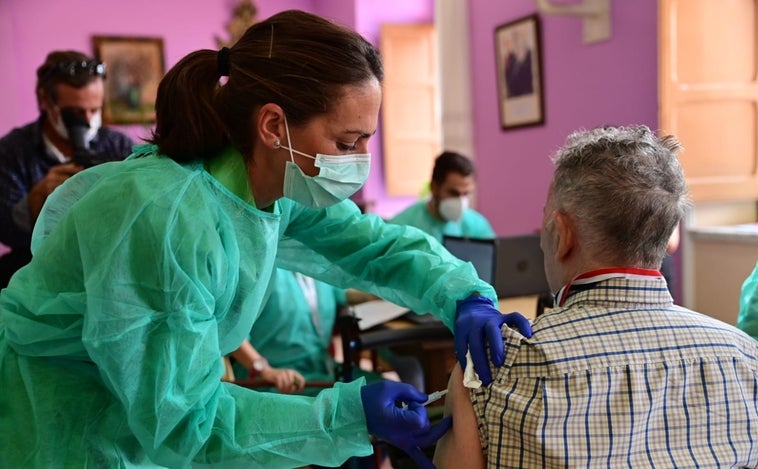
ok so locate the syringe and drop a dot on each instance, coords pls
(435, 396)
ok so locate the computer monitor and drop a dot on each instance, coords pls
(480, 252)
(520, 269)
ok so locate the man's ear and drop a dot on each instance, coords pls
(270, 125)
(565, 234)
(433, 187)
(42, 99)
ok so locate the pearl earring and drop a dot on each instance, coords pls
(277, 143)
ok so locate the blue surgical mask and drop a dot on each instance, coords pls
(339, 177)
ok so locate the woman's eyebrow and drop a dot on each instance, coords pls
(360, 133)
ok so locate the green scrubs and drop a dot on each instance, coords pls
(145, 273)
(471, 225)
(286, 332)
(748, 317)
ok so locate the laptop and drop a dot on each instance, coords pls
(519, 269)
(482, 253)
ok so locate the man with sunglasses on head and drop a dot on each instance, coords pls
(40, 156)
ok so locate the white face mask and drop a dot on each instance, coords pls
(452, 208)
(94, 125)
(339, 177)
(59, 126)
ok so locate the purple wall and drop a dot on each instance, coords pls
(585, 85)
(29, 29)
(613, 82)
(371, 14)
(366, 17)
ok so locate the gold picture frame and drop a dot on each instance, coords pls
(134, 68)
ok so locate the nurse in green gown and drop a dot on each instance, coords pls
(146, 272)
(292, 336)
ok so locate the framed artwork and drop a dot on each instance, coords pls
(133, 68)
(519, 73)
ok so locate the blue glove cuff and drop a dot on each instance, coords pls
(475, 300)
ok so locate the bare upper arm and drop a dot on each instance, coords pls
(460, 447)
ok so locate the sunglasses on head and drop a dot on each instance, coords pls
(75, 68)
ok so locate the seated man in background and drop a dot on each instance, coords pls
(615, 374)
(748, 317)
(447, 212)
(38, 157)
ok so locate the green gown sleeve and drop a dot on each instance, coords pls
(160, 278)
(401, 264)
(748, 317)
(157, 346)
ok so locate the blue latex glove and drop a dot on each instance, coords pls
(407, 428)
(477, 320)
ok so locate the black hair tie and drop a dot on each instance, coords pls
(222, 60)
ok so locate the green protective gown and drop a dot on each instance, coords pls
(748, 317)
(471, 225)
(145, 273)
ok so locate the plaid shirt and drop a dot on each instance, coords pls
(24, 160)
(620, 377)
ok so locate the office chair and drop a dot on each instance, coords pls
(355, 342)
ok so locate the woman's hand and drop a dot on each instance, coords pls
(477, 324)
(285, 380)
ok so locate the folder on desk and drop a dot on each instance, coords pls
(373, 313)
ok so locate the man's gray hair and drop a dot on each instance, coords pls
(625, 189)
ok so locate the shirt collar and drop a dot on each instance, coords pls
(45, 144)
(586, 280)
(53, 150)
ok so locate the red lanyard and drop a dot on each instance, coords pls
(599, 275)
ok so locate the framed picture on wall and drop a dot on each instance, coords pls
(134, 67)
(519, 73)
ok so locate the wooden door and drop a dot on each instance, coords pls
(411, 107)
(709, 95)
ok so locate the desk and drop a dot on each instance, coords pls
(526, 305)
(438, 356)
